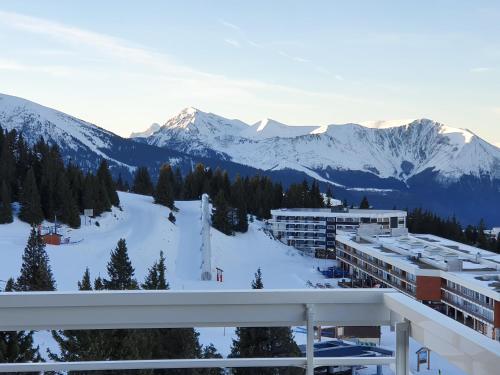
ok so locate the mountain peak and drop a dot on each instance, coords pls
(146, 133)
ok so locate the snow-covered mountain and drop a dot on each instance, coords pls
(386, 150)
(79, 141)
(417, 163)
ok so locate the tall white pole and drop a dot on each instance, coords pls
(206, 250)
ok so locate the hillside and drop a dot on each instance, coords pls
(147, 231)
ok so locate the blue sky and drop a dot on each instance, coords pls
(126, 64)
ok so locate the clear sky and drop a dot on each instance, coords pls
(126, 64)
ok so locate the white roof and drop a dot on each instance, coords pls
(428, 255)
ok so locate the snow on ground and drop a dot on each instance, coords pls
(147, 231)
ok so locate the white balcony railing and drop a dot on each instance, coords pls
(468, 350)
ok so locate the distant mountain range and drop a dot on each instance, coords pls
(419, 163)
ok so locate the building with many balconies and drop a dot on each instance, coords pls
(313, 230)
(460, 281)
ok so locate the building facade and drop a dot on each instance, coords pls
(313, 230)
(460, 281)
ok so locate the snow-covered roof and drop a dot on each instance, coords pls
(328, 212)
(429, 255)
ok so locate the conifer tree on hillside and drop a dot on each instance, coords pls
(170, 343)
(31, 209)
(238, 198)
(36, 274)
(364, 203)
(156, 278)
(103, 202)
(80, 345)
(120, 269)
(164, 192)
(210, 352)
(142, 182)
(7, 160)
(65, 204)
(5, 204)
(17, 347)
(220, 214)
(265, 343)
(104, 176)
(125, 344)
(257, 283)
(98, 283)
(179, 183)
(85, 284)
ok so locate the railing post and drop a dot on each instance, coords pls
(403, 348)
(310, 339)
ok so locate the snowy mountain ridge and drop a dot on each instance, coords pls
(36, 121)
(390, 149)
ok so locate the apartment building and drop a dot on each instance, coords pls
(460, 281)
(311, 230)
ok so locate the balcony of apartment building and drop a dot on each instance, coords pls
(481, 312)
(468, 294)
(379, 276)
(468, 350)
(380, 268)
(306, 227)
(298, 219)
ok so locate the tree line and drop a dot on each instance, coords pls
(45, 187)
(421, 221)
(233, 201)
(130, 344)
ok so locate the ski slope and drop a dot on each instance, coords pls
(147, 231)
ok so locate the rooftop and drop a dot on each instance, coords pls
(429, 255)
(335, 212)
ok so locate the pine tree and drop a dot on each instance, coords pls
(36, 274)
(220, 215)
(104, 176)
(7, 160)
(5, 204)
(98, 283)
(120, 269)
(264, 342)
(80, 345)
(210, 352)
(172, 343)
(142, 182)
(65, 204)
(31, 209)
(257, 282)
(238, 199)
(164, 192)
(85, 284)
(156, 278)
(364, 203)
(17, 347)
(103, 202)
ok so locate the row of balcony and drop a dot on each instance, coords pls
(381, 267)
(370, 273)
(470, 309)
(467, 297)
